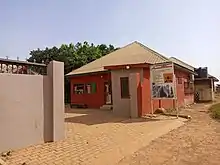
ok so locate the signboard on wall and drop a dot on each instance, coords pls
(163, 83)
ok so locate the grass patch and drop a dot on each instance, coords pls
(215, 111)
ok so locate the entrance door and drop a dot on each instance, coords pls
(107, 93)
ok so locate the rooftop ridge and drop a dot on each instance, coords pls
(153, 51)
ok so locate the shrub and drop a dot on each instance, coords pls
(215, 111)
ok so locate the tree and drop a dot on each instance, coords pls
(73, 56)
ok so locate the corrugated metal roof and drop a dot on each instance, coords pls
(21, 62)
(181, 63)
(185, 65)
(215, 79)
(133, 53)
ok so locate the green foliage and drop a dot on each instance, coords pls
(215, 111)
(73, 56)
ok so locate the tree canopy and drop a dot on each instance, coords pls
(73, 56)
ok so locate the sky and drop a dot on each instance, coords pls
(186, 29)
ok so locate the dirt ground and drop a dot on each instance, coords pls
(96, 137)
(195, 143)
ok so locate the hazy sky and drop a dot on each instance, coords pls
(186, 29)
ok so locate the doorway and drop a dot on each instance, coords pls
(108, 93)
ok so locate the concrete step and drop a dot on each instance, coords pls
(106, 107)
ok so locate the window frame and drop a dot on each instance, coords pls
(76, 91)
(124, 95)
(188, 87)
(91, 86)
(179, 80)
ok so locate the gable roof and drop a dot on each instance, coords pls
(134, 53)
(212, 77)
(185, 65)
(181, 63)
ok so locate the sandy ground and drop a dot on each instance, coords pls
(195, 143)
(94, 137)
(111, 141)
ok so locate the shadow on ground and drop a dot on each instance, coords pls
(94, 116)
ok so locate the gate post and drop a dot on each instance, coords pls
(56, 75)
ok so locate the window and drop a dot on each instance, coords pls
(91, 88)
(124, 83)
(188, 88)
(79, 88)
(186, 85)
(179, 80)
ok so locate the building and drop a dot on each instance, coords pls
(121, 79)
(21, 67)
(217, 88)
(205, 88)
(203, 85)
(188, 83)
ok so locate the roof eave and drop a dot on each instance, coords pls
(208, 78)
(8, 61)
(140, 65)
(185, 69)
(181, 62)
(215, 79)
(85, 74)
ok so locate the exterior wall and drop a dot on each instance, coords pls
(189, 99)
(205, 89)
(213, 89)
(32, 108)
(134, 81)
(146, 93)
(94, 100)
(122, 106)
(139, 82)
(182, 98)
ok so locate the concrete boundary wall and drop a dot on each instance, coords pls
(31, 108)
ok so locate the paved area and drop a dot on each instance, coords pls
(195, 143)
(95, 137)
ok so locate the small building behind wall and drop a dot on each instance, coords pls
(202, 85)
(205, 88)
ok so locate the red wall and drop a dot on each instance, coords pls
(94, 100)
(180, 93)
(145, 94)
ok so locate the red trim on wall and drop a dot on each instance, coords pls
(145, 92)
(139, 96)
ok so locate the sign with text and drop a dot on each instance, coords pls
(163, 85)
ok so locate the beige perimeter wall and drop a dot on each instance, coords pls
(31, 108)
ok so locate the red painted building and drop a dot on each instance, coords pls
(124, 74)
(93, 99)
